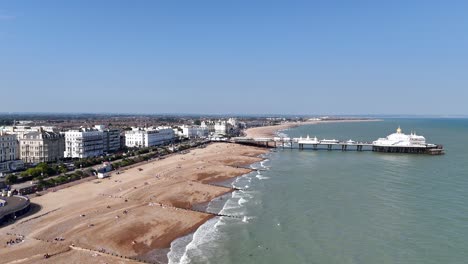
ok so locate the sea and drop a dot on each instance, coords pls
(325, 207)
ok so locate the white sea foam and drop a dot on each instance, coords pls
(281, 134)
(232, 206)
(260, 177)
(194, 246)
(184, 248)
(205, 234)
(256, 166)
(263, 162)
(241, 201)
(178, 248)
(242, 194)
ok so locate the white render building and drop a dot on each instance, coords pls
(194, 131)
(232, 121)
(111, 138)
(147, 137)
(9, 153)
(221, 127)
(209, 125)
(83, 143)
(8, 147)
(20, 131)
(41, 146)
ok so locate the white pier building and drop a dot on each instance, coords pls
(401, 143)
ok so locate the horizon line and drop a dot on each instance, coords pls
(239, 114)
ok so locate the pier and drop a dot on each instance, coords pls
(325, 144)
(303, 143)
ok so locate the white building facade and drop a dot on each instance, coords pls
(232, 122)
(83, 143)
(20, 131)
(221, 127)
(209, 125)
(42, 146)
(399, 139)
(111, 138)
(9, 152)
(147, 137)
(194, 132)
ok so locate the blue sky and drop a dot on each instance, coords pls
(284, 57)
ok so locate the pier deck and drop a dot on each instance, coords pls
(314, 144)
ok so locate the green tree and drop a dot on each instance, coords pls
(62, 168)
(11, 179)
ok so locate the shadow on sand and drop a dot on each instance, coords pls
(33, 209)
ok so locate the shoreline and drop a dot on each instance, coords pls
(182, 245)
(179, 242)
(271, 131)
(137, 213)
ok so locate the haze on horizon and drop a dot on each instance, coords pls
(243, 57)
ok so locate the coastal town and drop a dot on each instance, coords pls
(55, 180)
(25, 146)
(233, 132)
(140, 186)
(124, 194)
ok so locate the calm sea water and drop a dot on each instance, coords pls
(345, 207)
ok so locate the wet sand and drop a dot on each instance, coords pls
(130, 216)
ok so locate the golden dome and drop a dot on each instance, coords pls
(398, 130)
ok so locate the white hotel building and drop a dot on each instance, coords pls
(110, 139)
(83, 143)
(20, 131)
(147, 137)
(41, 146)
(194, 131)
(8, 152)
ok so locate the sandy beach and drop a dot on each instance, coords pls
(130, 216)
(270, 131)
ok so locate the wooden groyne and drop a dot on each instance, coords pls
(177, 208)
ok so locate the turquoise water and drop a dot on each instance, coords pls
(346, 207)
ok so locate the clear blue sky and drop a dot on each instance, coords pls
(289, 57)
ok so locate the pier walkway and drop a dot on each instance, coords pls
(333, 144)
(302, 143)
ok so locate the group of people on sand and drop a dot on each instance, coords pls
(17, 240)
